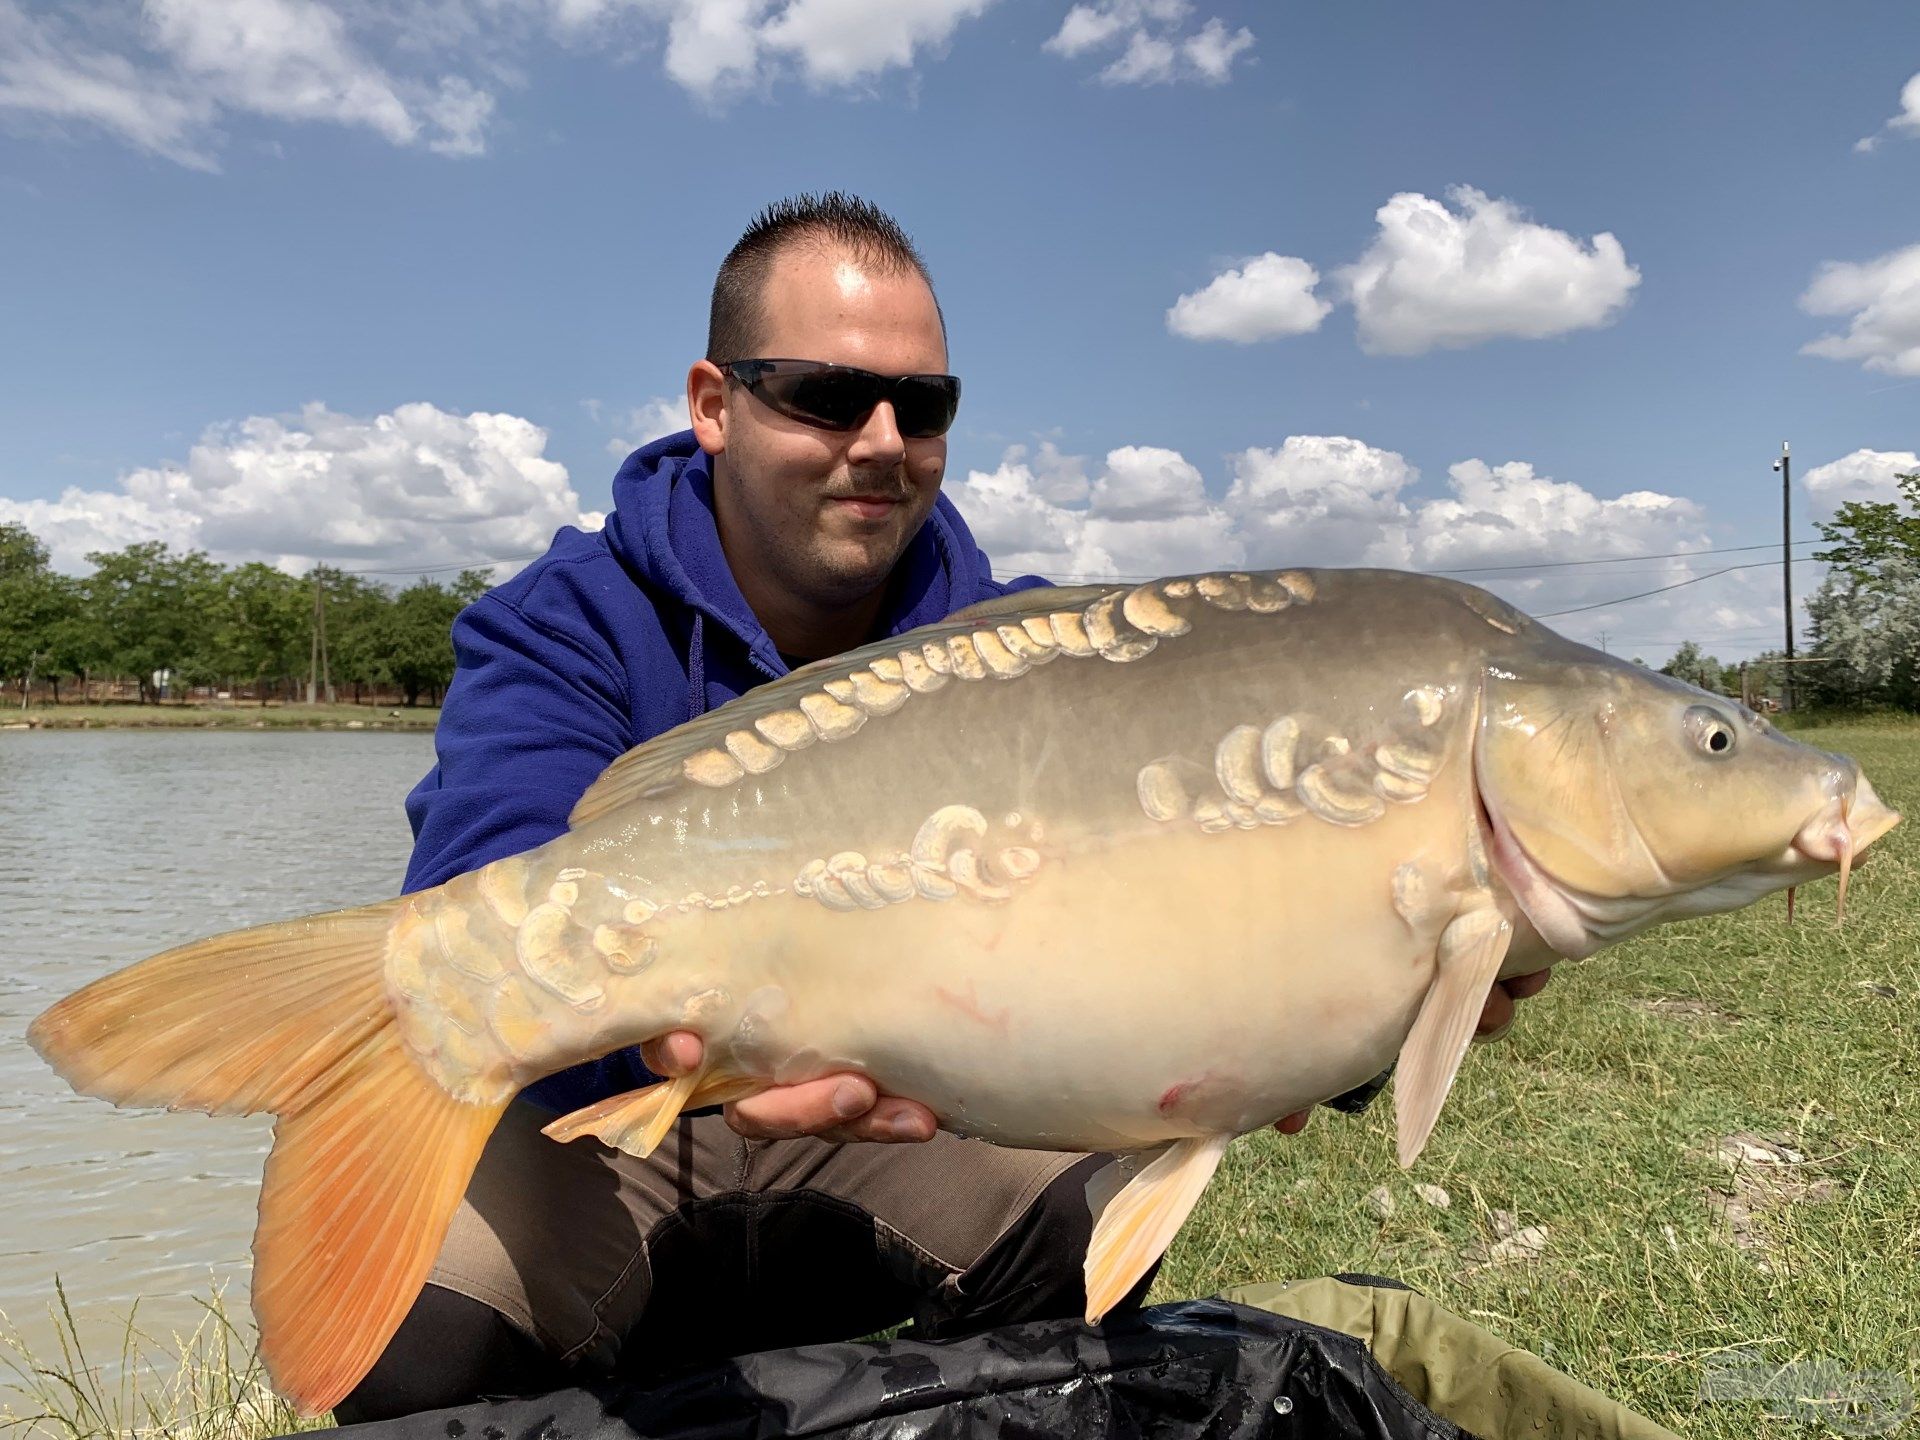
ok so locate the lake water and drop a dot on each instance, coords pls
(113, 845)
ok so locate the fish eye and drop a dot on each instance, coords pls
(1709, 730)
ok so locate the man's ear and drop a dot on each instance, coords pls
(707, 405)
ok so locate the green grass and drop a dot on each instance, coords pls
(1598, 1118)
(208, 1385)
(209, 716)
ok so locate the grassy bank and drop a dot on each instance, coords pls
(1698, 1148)
(207, 1385)
(221, 717)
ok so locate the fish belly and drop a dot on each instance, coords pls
(1189, 984)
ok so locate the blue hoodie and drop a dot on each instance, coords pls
(607, 640)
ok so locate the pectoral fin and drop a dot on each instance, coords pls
(1471, 950)
(1137, 1223)
(638, 1120)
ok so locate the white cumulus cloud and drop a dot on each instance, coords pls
(176, 77)
(417, 486)
(168, 82)
(1155, 46)
(1335, 500)
(844, 42)
(1883, 297)
(1268, 297)
(642, 425)
(1321, 495)
(1146, 513)
(1450, 278)
(1863, 475)
(1907, 122)
(717, 48)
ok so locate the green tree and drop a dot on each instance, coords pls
(155, 610)
(356, 628)
(264, 626)
(37, 611)
(1690, 665)
(1864, 534)
(470, 585)
(20, 550)
(1866, 614)
(1866, 633)
(416, 640)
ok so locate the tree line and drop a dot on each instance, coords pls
(1864, 617)
(149, 610)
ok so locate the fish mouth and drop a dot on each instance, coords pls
(1835, 837)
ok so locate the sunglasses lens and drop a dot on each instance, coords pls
(925, 404)
(837, 399)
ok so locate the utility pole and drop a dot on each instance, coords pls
(319, 674)
(313, 649)
(1603, 643)
(1785, 466)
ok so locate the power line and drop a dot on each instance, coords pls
(457, 565)
(1482, 569)
(1615, 559)
(1678, 585)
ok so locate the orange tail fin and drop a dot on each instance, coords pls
(370, 1155)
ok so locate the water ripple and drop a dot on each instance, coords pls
(114, 845)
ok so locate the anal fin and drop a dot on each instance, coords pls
(1471, 951)
(1137, 1223)
(638, 1120)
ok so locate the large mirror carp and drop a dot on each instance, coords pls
(1134, 868)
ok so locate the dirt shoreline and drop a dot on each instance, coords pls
(221, 717)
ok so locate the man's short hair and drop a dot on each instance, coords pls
(832, 221)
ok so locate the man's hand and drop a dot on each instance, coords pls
(1498, 1014)
(1495, 1017)
(834, 1107)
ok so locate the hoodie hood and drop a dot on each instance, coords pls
(663, 529)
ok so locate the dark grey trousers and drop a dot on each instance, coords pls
(587, 1263)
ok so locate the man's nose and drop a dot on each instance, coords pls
(879, 439)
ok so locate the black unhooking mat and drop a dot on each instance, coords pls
(1384, 1364)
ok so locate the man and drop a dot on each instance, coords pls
(799, 518)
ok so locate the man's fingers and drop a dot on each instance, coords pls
(674, 1054)
(1497, 1014)
(837, 1107)
(1522, 987)
(891, 1119)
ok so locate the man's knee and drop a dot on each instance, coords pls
(450, 1350)
(1036, 1270)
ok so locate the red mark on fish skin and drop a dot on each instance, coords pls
(1172, 1096)
(969, 1006)
(1182, 1095)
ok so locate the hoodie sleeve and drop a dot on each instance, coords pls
(530, 720)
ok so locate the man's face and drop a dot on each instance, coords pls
(823, 514)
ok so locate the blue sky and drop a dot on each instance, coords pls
(386, 285)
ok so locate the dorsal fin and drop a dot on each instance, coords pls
(800, 708)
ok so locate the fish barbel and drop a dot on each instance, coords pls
(1110, 868)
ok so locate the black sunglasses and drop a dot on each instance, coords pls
(839, 397)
